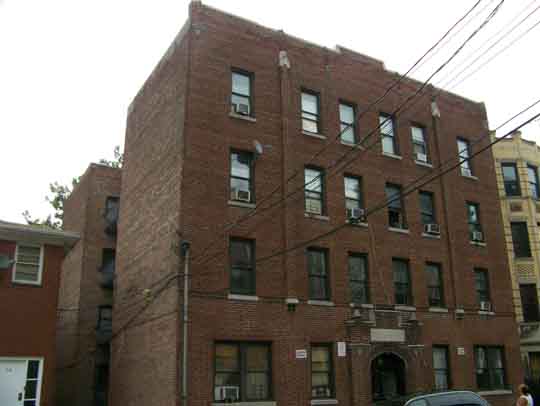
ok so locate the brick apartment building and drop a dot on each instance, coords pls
(86, 291)
(412, 299)
(30, 261)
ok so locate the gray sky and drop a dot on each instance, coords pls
(70, 68)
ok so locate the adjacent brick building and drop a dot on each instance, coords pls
(86, 291)
(30, 261)
(413, 298)
(517, 161)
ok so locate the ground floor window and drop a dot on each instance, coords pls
(322, 380)
(440, 367)
(489, 367)
(20, 381)
(242, 372)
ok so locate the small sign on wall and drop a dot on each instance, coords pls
(460, 350)
(341, 349)
(301, 354)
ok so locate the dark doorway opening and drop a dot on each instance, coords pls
(387, 377)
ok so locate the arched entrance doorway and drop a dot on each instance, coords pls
(387, 376)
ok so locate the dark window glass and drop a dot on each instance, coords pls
(520, 240)
(464, 153)
(388, 137)
(529, 302)
(310, 112)
(402, 282)
(435, 285)
(108, 259)
(242, 266)
(532, 175)
(511, 179)
(347, 125)
(419, 144)
(473, 218)
(322, 380)
(441, 367)
(427, 208)
(241, 185)
(482, 285)
(489, 367)
(241, 93)
(396, 212)
(358, 278)
(353, 192)
(33, 370)
(242, 372)
(112, 206)
(314, 191)
(105, 318)
(318, 274)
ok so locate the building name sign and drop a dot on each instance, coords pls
(387, 335)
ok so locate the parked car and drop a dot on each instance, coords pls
(451, 398)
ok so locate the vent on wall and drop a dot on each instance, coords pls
(518, 207)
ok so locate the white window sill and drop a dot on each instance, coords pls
(320, 303)
(460, 311)
(242, 204)
(320, 402)
(26, 283)
(314, 135)
(362, 305)
(484, 313)
(245, 298)
(292, 300)
(478, 243)
(351, 144)
(495, 392)
(365, 225)
(425, 164)
(472, 177)
(438, 310)
(393, 156)
(261, 403)
(399, 230)
(432, 236)
(404, 308)
(241, 117)
(316, 216)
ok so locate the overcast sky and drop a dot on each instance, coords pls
(69, 69)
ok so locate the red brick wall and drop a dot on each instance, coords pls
(29, 316)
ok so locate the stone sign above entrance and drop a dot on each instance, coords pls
(387, 335)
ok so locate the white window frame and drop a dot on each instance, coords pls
(40, 373)
(40, 269)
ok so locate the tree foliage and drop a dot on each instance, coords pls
(60, 193)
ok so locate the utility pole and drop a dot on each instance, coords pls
(185, 254)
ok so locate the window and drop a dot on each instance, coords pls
(32, 387)
(241, 93)
(441, 367)
(358, 278)
(419, 144)
(347, 125)
(353, 193)
(241, 176)
(511, 179)
(427, 208)
(402, 282)
(520, 240)
(314, 191)
(104, 318)
(322, 379)
(532, 174)
(108, 258)
(112, 207)
(464, 153)
(473, 218)
(242, 266)
(489, 367)
(481, 282)
(386, 124)
(28, 264)
(396, 212)
(242, 372)
(434, 285)
(310, 112)
(529, 302)
(318, 274)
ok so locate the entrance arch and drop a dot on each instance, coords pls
(387, 376)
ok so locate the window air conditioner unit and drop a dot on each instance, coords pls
(432, 229)
(478, 236)
(241, 108)
(485, 306)
(228, 393)
(421, 157)
(466, 172)
(356, 215)
(242, 195)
